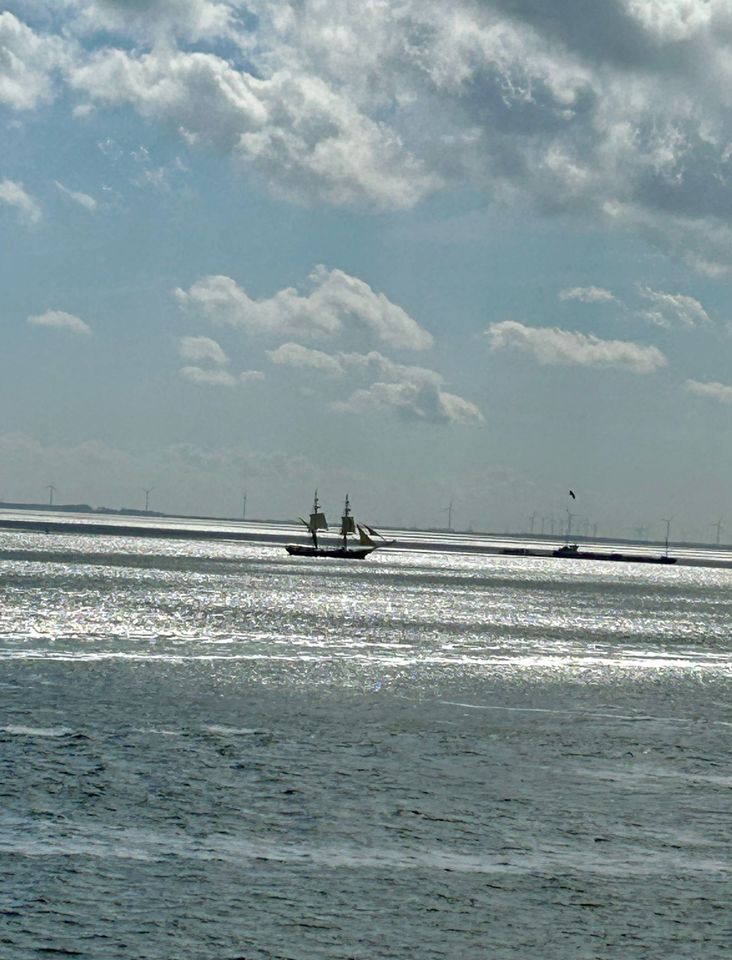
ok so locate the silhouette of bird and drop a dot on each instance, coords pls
(572, 494)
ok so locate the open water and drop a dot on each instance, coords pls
(212, 751)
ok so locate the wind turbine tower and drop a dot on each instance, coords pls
(147, 492)
(718, 526)
(51, 490)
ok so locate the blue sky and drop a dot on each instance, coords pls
(422, 251)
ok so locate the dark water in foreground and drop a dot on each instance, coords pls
(217, 751)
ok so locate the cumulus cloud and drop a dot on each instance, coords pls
(28, 61)
(202, 350)
(674, 20)
(671, 308)
(251, 376)
(621, 118)
(337, 303)
(309, 139)
(13, 194)
(211, 377)
(550, 345)
(410, 392)
(59, 320)
(83, 199)
(295, 355)
(156, 19)
(716, 391)
(587, 295)
(421, 402)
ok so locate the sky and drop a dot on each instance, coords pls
(475, 252)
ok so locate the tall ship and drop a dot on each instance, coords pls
(368, 539)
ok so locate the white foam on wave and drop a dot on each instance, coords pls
(221, 730)
(159, 732)
(130, 844)
(18, 730)
(584, 714)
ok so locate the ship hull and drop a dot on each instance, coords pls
(571, 553)
(341, 553)
(597, 555)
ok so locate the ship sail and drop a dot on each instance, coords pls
(363, 537)
(348, 525)
(317, 522)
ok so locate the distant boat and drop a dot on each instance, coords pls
(573, 550)
(349, 528)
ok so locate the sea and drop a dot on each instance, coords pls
(210, 750)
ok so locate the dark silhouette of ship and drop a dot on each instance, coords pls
(349, 527)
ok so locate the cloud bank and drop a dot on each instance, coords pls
(550, 345)
(620, 118)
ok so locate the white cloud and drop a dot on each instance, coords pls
(251, 376)
(412, 393)
(27, 63)
(82, 110)
(411, 402)
(619, 119)
(309, 140)
(59, 320)
(674, 307)
(588, 295)
(151, 20)
(550, 345)
(13, 194)
(716, 391)
(674, 20)
(83, 199)
(337, 303)
(208, 377)
(202, 350)
(295, 355)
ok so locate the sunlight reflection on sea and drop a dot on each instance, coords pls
(215, 750)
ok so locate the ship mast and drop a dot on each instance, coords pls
(317, 521)
(346, 523)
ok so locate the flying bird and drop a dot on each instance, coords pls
(572, 494)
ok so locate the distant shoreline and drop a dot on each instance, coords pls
(124, 530)
(552, 540)
(505, 546)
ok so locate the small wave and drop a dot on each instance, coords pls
(155, 846)
(220, 730)
(21, 731)
(158, 731)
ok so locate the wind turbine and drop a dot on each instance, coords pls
(147, 492)
(51, 490)
(718, 525)
(448, 511)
